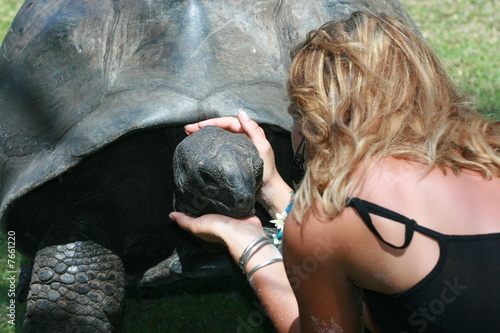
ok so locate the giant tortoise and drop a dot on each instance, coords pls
(93, 99)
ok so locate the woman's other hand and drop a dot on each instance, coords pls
(243, 124)
(215, 228)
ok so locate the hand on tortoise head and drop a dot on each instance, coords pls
(272, 183)
(242, 124)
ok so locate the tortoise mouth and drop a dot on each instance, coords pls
(226, 203)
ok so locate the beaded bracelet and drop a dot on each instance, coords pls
(251, 249)
(264, 264)
(279, 223)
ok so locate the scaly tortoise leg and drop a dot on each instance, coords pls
(77, 287)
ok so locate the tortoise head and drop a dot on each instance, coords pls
(216, 171)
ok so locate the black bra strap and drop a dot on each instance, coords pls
(366, 208)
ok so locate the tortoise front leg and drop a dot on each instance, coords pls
(77, 287)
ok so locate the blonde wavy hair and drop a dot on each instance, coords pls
(368, 87)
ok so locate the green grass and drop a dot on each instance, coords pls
(464, 33)
(8, 9)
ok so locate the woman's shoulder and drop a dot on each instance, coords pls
(438, 200)
(340, 245)
(435, 198)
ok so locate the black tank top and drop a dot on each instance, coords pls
(461, 293)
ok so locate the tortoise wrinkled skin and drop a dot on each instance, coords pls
(93, 99)
(223, 179)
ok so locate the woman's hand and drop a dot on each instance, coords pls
(274, 192)
(243, 124)
(235, 233)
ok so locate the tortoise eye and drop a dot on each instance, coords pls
(297, 170)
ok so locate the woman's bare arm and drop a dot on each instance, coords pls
(270, 282)
(318, 271)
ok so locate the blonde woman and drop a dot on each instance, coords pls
(396, 224)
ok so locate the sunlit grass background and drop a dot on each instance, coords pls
(464, 33)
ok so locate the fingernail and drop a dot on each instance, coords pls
(243, 114)
(171, 216)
